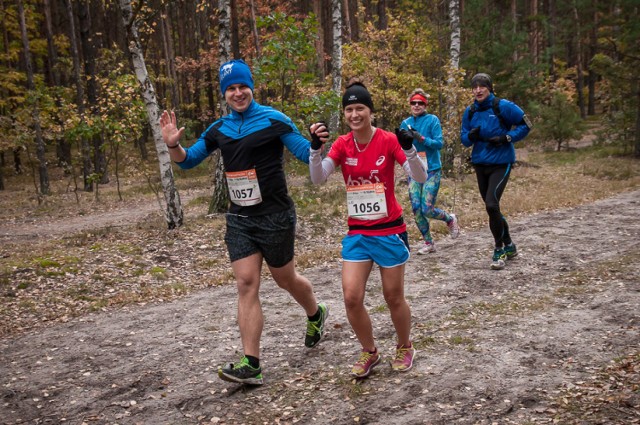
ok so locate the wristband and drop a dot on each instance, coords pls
(174, 147)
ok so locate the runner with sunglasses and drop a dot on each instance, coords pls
(427, 139)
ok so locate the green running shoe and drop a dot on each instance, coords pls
(241, 372)
(315, 329)
(511, 251)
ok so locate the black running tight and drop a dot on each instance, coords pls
(492, 179)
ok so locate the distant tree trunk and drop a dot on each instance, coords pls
(368, 10)
(169, 56)
(352, 11)
(347, 21)
(637, 139)
(77, 80)
(17, 162)
(383, 22)
(593, 46)
(174, 214)
(220, 199)
(89, 50)
(551, 36)
(63, 148)
(84, 23)
(35, 112)
(2, 164)
(142, 143)
(235, 31)
(318, 11)
(336, 60)
(579, 79)
(254, 29)
(534, 34)
(514, 24)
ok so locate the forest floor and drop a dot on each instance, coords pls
(552, 338)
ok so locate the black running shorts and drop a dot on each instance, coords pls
(273, 235)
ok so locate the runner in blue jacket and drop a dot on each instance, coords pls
(427, 139)
(492, 126)
(261, 221)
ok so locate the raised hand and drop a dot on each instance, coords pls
(319, 134)
(170, 132)
(405, 138)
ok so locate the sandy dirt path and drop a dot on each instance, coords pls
(496, 347)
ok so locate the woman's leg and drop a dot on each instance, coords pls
(417, 202)
(393, 291)
(354, 280)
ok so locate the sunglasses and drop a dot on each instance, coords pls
(416, 103)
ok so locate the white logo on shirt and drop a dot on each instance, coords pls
(380, 160)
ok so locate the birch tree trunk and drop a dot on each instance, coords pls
(452, 123)
(454, 50)
(174, 214)
(35, 112)
(336, 59)
(220, 198)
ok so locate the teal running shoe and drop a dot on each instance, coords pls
(499, 259)
(511, 251)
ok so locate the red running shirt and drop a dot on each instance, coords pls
(374, 163)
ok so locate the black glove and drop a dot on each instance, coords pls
(499, 140)
(415, 134)
(474, 134)
(316, 143)
(405, 138)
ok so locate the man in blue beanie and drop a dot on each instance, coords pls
(261, 220)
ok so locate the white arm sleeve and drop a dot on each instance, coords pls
(320, 169)
(414, 166)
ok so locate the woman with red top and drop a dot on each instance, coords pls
(377, 233)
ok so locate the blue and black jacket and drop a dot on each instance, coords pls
(254, 139)
(511, 122)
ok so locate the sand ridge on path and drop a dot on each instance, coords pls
(495, 346)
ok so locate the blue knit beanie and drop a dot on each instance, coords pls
(235, 72)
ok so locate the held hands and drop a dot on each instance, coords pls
(405, 138)
(474, 134)
(319, 134)
(170, 132)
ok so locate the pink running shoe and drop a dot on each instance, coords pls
(453, 226)
(404, 358)
(427, 248)
(365, 364)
